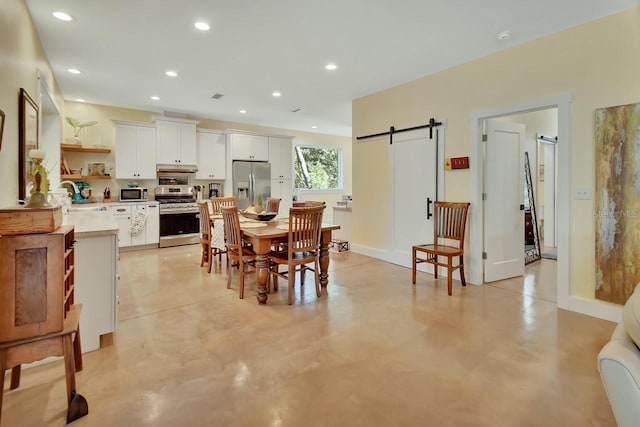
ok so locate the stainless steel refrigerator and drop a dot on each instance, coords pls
(249, 180)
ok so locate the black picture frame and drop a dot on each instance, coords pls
(28, 139)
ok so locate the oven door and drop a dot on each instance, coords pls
(179, 228)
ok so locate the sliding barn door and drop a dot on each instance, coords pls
(413, 182)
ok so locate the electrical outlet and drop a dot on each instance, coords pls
(582, 193)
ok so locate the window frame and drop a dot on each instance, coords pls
(339, 149)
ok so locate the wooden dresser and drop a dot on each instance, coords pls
(38, 318)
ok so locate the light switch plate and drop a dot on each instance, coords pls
(582, 193)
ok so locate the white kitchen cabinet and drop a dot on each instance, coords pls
(135, 151)
(211, 150)
(249, 147)
(282, 188)
(280, 157)
(125, 214)
(176, 142)
(96, 286)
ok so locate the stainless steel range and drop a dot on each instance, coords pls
(179, 223)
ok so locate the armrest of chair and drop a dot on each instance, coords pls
(619, 366)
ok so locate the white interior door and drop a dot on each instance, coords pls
(413, 157)
(504, 189)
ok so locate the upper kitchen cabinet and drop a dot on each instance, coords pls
(211, 149)
(280, 157)
(248, 147)
(176, 141)
(135, 151)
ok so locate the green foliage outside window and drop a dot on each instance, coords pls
(317, 168)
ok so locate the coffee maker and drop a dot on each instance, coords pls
(215, 190)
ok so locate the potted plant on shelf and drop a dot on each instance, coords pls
(77, 126)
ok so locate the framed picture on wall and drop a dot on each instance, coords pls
(1, 127)
(28, 140)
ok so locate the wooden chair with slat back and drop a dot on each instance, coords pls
(449, 223)
(307, 204)
(208, 252)
(303, 247)
(218, 202)
(273, 204)
(236, 250)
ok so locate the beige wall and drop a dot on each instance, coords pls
(103, 133)
(22, 59)
(597, 63)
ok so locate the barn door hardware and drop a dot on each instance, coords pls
(432, 124)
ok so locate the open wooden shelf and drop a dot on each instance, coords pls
(78, 177)
(81, 149)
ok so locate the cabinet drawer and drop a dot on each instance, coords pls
(120, 210)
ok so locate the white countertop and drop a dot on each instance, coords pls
(91, 222)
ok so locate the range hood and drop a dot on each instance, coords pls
(177, 168)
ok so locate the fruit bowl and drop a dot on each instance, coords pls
(263, 216)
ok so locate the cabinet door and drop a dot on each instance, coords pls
(187, 144)
(122, 216)
(282, 189)
(280, 157)
(219, 166)
(249, 147)
(152, 229)
(168, 142)
(146, 152)
(126, 151)
(211, 155)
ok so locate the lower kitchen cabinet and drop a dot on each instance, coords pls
(127, 215)
(282, 189)
(96, 286)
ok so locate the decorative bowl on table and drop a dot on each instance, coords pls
(262, 216)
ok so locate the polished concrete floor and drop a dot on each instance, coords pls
(372, 351)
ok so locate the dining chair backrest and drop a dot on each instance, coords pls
(449, 222)
(205, 220)
(307, 204)
(305, 224)
(218, 202)
(273, 204)
(232, 233)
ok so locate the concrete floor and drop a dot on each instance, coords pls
(372, 351)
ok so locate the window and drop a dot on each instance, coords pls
(318, 168)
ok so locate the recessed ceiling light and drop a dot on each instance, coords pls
(63, 16)
(331, 67)
(202, 26)
(73, 71)
(80, 100)
(276, 94)
(503, 35)
(171, 73)
(314, 127)
(155, 98)
(243, 111)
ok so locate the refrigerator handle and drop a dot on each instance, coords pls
(251, 188)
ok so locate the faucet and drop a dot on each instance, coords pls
(76, 190)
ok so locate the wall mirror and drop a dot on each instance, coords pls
(28, 137)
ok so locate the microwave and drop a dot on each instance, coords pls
(134, 194)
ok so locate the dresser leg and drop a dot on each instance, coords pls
(15, 377)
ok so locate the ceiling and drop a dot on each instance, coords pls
(123, 49)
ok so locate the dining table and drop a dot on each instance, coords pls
(261, 234)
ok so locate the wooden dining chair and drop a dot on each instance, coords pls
(237, 252)
(209, 251)
(218, 202)
(303, 247)
(273, 204)
(307, 204)
(449, 223)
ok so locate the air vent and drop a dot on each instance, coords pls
(296, 110)
(217, 96)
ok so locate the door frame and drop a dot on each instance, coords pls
(391, 182)
(565, 299)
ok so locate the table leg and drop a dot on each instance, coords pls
(3, 366)
(262, 273)
(15, 377)
(325, 241)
